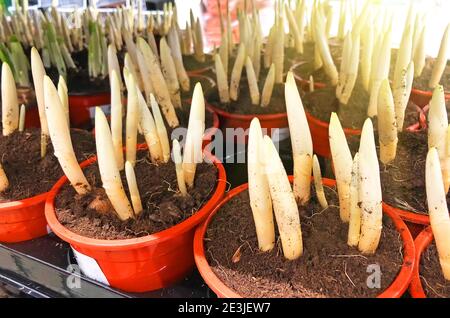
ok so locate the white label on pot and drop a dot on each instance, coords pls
(49, 230)
(90, 267)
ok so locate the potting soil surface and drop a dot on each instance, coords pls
(327, 268)
(92, 215)
(433, 281)
(28, 174)
(244, 104)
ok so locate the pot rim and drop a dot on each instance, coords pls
(246, 117)
(422, 241)
(132, 243)
(395, 290)
(428, 93)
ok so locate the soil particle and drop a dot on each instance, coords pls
(433, 281)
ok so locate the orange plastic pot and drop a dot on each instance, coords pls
(201, 70)
(23, 220)
(422, 241)
(422, 98)
(395, 290)
(267, 121)
(140, 264)
(79, 106)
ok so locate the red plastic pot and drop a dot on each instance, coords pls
(422, 98)
(268, 121)
(395, 290)
(79, 106)
(140, 264)
(23, 220)
(422, 241)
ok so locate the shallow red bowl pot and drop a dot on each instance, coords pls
(23, 220)
(141, 264)
(395, 290)
(201, 70)
(421, 242)
(267, 121)
(304, 83)
(79, 106)
(422, 98)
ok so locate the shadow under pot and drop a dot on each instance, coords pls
(30, 180)
(328, 267)
(428, 279)
(150, 251)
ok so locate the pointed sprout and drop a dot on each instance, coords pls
(278, 53)
(144, 72)
(4, 183)
(258, 189)
(367, 39)
(158, 83)
(148, 129)
(174, 44)
(236, 73)
(369, 192)
(437, 129)
(341, 156)
(131, 120)
(107, 165)
(22, 118)
(63, 93)
(196, 127)
(179, 167)
(222, 80)
(320, 193)
(266, 94)
(301, 140)
(113, 65)
(160, 129)
(283, 200)
(311, 83)
(38, 72)
(402, 91)
(351, 71)
(293, 29)
(252, 82)
(441, 60)
(354, 224)
(116, 118)
(60, 137)
(170, 74)
(133, 187)
(438, 210)
(403, 54)
(419, 53)
(387, 125)
(380, 72)
(324, 50)
(10, 105)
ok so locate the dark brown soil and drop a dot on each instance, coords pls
(78, 81)
(403, 180)
(191, 64)
(244, 104)
(433, 281)
(28, 174)
(207, 83)
(322, 102)
(421, 82)
(163, 205)
(327, 268)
